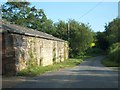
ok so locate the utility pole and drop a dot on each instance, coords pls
(119, 9)
(68, 31)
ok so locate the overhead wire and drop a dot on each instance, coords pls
(91, 9)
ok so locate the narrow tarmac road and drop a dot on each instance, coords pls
(90, 74)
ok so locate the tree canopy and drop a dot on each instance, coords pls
(109, 40)
(79, 35)
(112, 31)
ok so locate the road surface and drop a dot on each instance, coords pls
(89, 74)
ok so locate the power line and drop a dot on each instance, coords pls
(83, 16)
(91, 9)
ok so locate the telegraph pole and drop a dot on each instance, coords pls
(119, 9)
(68, 30)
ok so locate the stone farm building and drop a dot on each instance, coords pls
(22, 47)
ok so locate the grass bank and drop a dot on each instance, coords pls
(34, 71)
(108, 63)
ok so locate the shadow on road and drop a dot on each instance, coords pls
(90, 74)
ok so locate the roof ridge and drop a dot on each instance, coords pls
(27, 31)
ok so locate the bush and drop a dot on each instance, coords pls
(94, 51)
(114, 52)
(108, 63)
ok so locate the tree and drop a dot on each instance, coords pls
(61, 30)
(81, 37)
(101, 41)
(110, 36)
(109, 40)
(20, 13)
(49, 27)
(13, 11)
(112, 31)
(114, 52)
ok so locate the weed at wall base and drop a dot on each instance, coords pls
(37, 70)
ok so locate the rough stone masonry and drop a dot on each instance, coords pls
(22, 47)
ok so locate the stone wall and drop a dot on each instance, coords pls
(0, 54)
(22, 51)
(8, 54)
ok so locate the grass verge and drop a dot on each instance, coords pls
(37, 70)
(108, 63)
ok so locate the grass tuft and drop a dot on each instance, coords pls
(37, 70)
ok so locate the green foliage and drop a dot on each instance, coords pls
(101, 41)
(32, 61)
(81, 38)
(22, 14)
(54, 55)
(61, 30)
(109, 40)
(94, 51)
(108, 63)
(80, 35)
(112, 31)
(111, 35)
(114, 53)
(16, 12)
(36, 70)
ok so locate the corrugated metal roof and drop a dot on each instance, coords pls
(13, 28)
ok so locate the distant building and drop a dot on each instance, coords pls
(119, 9)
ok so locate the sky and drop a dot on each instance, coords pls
(94, 13)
